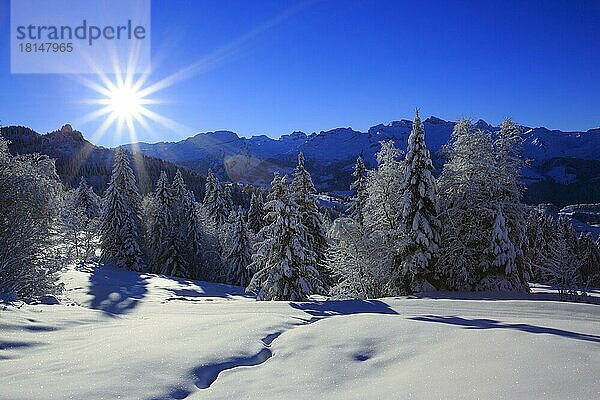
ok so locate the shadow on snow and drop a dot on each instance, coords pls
(493, 324)
(116, 291)
(331, 308)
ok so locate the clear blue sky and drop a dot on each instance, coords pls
(336, 63)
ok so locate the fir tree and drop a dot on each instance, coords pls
(161, 220)
(227, 199)
(173, 258)
(255, 213)
(192, 233)
(589, 254)
(214, 201)
(284, 261)
(304, 192)
(121, 217)
(210, 187)
(419, 217)
(238, 254)
(501, 251)
(358, 201)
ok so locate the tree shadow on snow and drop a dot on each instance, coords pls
(116, 291)
(331, 308)
(493, 324)
(538, 293)
(194, 290)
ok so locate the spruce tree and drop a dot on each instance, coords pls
(419, 217)
(173, 258)
(501, 252)
(256, 213)
(304, 192)
(238, 252)
(214, 201)
(161, 220)
(284, 261)
(121, 217)
(227, 199)
(358, 201)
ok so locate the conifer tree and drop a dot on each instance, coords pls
(284, 261)
(210, 187)
(589, 254)
(161, 220)
(256, 213)
(214, 201)
(304, 192)
(501, 251)
(227, 199)
(173, 259)
(358, 201)
(419, 217)
(238, 252)
(121, 217)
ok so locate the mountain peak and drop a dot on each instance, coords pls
(66, 128)
(481, 124)
(435, 120)
(67, 131)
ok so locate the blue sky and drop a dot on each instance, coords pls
(280, 66)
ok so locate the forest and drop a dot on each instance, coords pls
(404, 230)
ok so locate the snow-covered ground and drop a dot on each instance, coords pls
(118, 334)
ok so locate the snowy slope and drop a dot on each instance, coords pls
(119, 334)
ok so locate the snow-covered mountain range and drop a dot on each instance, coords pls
(561, 163)
(564, 167)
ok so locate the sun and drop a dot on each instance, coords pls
(125, 102)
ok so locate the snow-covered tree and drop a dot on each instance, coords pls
(359, 186)
(86, 199)
(256, 213)
(160, 220)
(177, 251)
(284, 261)
(419, 218)
(79, 218)
(363, 255)
(383, 206)
(192, 233)
(29, 202)
(481, 177)
(227, 199)
(501, 252)
(589, 254)
(359, 260)
(238, 252)
(214, 201)
(304, 192)
(121, 217)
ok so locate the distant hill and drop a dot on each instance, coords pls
(76, 158)
(564, 167)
